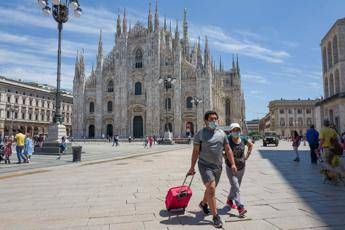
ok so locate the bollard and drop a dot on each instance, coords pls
(76, 150)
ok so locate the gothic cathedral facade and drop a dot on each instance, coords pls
(123, 95)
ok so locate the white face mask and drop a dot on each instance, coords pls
(212, 124)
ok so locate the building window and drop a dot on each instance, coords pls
(282, 122)
(168, 103)
(42, 117)
(30, 103)
(110, 86)
(281, 111)
(309, 121)
(335, 50)
(299, 111)
(137, 87)
(331, 85)
(290, 121)
(8, 99)
(36, 103)
(30, 116)
(308, 111)
(92, 107)
(329, 54)
(300, 121)
(110, 106)
(36, 117)
(8, 114)
(138, 59)
(326, 88)
(23, 115)
(189, 103)
(15, 115)
(16, 100)
(290, 111)
(337, 82)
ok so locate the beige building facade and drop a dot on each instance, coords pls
(123, 95)
(287, 116)
(332, 107)
(30, 107)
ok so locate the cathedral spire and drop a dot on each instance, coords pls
(118, 25)
(100, 51)
(206, 53)
(124, 22)
(199, 56)
(149, 19)
(165, 24)
(185, 34)
(220, 64)
(233, 62)
(156, 18)
(237, 65)
(170, 27)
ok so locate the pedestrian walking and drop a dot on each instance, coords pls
(146, 141)
(326, 135)
(7, 149)
(150, 141)
(209, 144)
(313, 141)
(62, 147)
(20, 141)
(28, 148)
(40, 140)
(237, 144)
(296, 142)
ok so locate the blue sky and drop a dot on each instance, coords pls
(277, 40)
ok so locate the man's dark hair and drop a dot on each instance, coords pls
(312, 127)
(209, 113)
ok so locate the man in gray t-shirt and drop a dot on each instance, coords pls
(209, 144)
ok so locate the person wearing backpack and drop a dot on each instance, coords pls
(237, 144)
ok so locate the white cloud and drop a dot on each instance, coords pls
(254, 78)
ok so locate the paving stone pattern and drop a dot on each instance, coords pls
(130, 193)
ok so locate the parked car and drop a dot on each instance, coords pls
(270, 138)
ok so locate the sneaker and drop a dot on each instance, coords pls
(204, 208)
(231, 204)
(241, 212)
(217, 222)
(296, 159)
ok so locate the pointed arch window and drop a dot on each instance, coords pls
(92, 107)
(189, 103)
(138, 59)
(335, 50)
(110, 106)
(137, 88)
(110, 86)
(337, 82)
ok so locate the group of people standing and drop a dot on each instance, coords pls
(23, 145)
(211, 145)
(321, 144)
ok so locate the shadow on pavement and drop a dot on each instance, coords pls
(325, 201)
(181, 218)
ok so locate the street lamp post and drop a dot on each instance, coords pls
(196, 101)
(167, 84)
(60, 11)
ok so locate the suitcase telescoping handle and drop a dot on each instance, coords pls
(191, 180)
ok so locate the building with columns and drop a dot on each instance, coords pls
(287, 116)
(123, 96)
(332, 107)
(30, 107)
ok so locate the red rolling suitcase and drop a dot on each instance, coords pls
(177, 198)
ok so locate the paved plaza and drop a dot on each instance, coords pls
(92, 152)
(129, 194)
